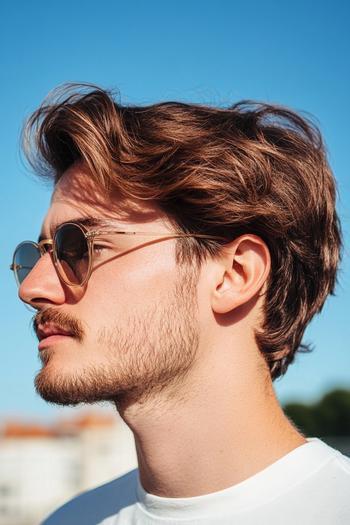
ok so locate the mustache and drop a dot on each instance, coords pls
(60, 320)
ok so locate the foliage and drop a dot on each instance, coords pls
(328, 417)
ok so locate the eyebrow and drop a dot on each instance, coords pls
(87, 222)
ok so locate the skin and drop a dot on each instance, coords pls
(171, 346)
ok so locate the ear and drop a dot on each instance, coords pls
(242, 269)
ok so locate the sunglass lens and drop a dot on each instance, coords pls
(25, 258)
(72, 253)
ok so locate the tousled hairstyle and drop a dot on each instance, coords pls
(250, 168)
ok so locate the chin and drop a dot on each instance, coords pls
(57, 389)
(70, 387)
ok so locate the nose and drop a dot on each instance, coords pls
(42, 285)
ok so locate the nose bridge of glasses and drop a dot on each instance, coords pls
(45, 245)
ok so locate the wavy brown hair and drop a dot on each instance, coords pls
(251, 168)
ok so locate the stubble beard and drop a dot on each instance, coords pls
(144, 355)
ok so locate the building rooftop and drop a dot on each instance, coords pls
(64, 427)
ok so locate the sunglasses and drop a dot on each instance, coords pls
(73, 250)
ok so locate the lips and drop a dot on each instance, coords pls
(47, 330)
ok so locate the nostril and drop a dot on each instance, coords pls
(30, 308)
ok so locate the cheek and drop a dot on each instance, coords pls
(132, 283)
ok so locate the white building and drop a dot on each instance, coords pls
(42, 467)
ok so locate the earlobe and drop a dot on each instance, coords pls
(242, 271)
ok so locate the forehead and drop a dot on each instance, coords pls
(77, 196)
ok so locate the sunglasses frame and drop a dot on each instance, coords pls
(49, 246)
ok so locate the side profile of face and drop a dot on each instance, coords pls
(134, 326)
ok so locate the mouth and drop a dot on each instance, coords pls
(49, 334)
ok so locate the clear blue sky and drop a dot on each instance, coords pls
(293, 53)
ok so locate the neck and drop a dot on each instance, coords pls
(224, 427)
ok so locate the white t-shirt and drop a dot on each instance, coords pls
(308, 486)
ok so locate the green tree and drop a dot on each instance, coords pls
(328, 417)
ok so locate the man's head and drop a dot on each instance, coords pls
(253, 178)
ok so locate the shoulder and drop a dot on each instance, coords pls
(94, 506)
(337, 462)
(332, 465)
(327, 490)
(343, 463)
(330, 495)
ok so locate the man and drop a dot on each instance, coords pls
(185, 250)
